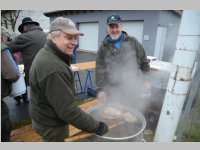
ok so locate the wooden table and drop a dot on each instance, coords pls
(88, 67)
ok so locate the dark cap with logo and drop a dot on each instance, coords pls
(113, 19)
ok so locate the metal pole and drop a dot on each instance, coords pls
(187, 45)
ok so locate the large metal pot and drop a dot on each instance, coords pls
(125, 124)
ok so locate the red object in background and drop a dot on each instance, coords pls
(17, 56)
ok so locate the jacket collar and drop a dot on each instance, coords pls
(106, 39)
(50, 46)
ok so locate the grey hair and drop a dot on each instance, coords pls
(54, 33)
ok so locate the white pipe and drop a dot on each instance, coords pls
(187, 45)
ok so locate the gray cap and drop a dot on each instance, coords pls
(5, 32)
(64, 24)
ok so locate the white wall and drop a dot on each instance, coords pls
(134, 28)
(90, 39)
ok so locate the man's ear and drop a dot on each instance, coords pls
(53, 37)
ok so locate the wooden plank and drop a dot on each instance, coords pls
(75, 67)
(25, 134)
(91, 65)
(78, 137)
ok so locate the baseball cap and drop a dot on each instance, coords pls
(64, 24)
(113, 19)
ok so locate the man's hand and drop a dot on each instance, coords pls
(102, 129)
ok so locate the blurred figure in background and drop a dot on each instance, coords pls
(29, 42)
(19, 60)
(7, 77)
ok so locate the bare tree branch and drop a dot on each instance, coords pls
(5, 18)
(11, 17)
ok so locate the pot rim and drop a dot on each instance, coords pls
(134, 111)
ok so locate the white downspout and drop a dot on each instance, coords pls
(187, 45)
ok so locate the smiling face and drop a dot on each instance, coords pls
(65, 42)
(114, 30)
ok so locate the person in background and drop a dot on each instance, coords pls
(18, 59)
(117, 48)
(53, 106)
(6, 86)
(29, 42)
(17, 55)
(73, 57)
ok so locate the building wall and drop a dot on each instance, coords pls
(171, 21)
(37, 16)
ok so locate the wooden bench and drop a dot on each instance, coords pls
(27, 134)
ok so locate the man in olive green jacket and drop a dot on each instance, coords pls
(118, 54)
(53, 105)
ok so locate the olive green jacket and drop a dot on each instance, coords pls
(52, 92)
(112, 62)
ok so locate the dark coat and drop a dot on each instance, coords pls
(52, 92)
(110, 61)
(29, 43)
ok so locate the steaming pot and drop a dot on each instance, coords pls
(125, 124)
